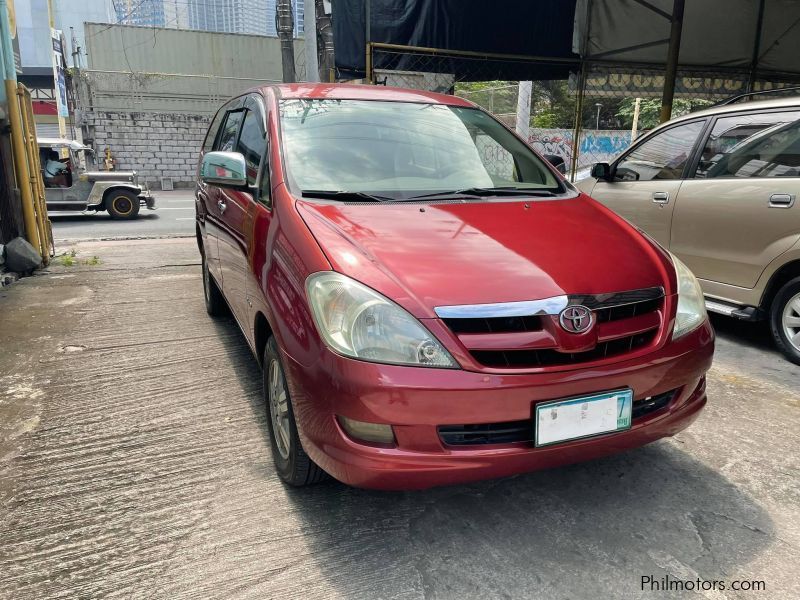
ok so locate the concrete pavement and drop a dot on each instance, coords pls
(134, 462)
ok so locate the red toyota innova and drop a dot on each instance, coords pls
(430, 301)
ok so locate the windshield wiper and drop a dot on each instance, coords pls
(346, 196)
(483, 192)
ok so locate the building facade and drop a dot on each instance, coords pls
(256, 17)
(145, 13)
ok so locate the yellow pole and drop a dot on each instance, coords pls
(21, 165)
(34, 167)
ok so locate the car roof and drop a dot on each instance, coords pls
(757, 105)
(345, 91)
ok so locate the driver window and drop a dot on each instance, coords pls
(227, 137)
(663, 156)
(253, 146)
(56, 171)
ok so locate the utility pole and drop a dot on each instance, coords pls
(310, 37)
(327, 66)
(284, 21)
(62, 124)
(524, 95)
(637, 106)
(597, 122)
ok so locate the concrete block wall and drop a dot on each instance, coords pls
(155, 145)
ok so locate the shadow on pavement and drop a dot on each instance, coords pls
(756, 335)
(598, 527)
(100, 216)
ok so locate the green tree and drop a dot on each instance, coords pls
(650, 110)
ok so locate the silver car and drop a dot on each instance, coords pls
(718, 188)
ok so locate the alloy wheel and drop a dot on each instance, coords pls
(791, 321)
(279, 408)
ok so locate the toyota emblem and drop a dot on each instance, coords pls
(575, 319)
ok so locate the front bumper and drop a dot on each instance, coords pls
(415, 401)
(147, 199)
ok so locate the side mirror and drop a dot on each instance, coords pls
(223, 168)
(601, 171)
(557, 161)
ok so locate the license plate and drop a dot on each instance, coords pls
(577, 418)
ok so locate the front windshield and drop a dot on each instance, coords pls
(402, 149)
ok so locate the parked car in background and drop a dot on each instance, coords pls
(718, 188)
(430, 301)
(69, 186)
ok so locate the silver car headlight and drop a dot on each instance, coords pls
(358, 322)
(691, 304)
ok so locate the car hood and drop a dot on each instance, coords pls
(438, 254)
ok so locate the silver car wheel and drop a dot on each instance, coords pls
(279, 408)
(791, 321)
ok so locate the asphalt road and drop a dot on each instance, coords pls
(174, 215)
(135, 463)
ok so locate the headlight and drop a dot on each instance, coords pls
(358, 322)
(691, 304)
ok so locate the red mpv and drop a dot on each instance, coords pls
(430, 301)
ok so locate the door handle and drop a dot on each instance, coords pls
(661, 197)
(781, 200)
(221, 206)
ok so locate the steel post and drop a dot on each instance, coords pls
(673, 55)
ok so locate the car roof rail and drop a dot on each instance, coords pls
(739, 97)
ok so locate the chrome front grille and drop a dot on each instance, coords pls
(494, 325)
(527, 335)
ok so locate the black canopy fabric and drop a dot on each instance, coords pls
(541, 28)
(718, 35)
(752, 38)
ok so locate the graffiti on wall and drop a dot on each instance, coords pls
(595, 145)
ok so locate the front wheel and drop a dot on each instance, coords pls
(291, 461)
(122, 204)
(215, 302)
(785, 320)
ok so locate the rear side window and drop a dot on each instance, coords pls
(663, 156)
(252, 144)
(752, 145)
(211, 135)
(230, 131)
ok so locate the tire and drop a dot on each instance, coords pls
(785, 320)
(215, 302)
(291, 461)
(122, 204)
